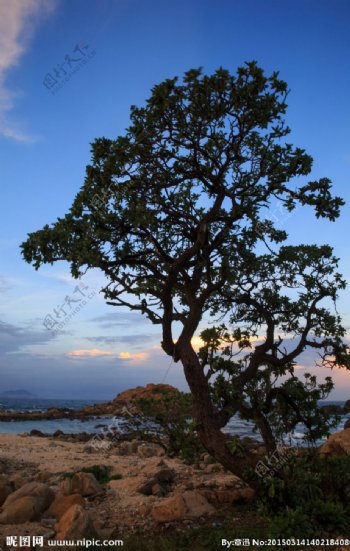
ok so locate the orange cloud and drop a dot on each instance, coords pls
(133, 356)
(90, 353)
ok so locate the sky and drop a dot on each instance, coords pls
(69, 72)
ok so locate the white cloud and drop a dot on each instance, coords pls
(89, 353)
(18, 20)
(133, 356)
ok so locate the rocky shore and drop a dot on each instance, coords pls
(65, 490)
(60, 488)
(121, 406)
(71, 486)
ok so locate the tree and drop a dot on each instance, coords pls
(175, 213)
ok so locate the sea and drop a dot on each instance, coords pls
(96, 425)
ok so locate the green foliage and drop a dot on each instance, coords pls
(67, 475)
(167, 420)
(308, 497)
(176, 215)
(235, 446)
(116, 476)
(100, 472)
(270, 399)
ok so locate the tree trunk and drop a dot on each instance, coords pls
(265, 431)
(209, 430)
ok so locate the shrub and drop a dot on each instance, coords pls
(309, 496)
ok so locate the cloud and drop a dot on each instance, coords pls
(136, 356)
(14, 338)
(89, 353)
(18, 20)
(5, 284)
(135, 340)
(118, 318)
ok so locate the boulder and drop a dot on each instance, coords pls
(81, 483)
(42, 494)
(74, 524)
(169, 509)
(346, 408)
(229, 496)
(127, 448)
(337, 444)
(36, 432)
(5, 488)
(159, 483)
(24, 509)
(62, 503)
(17, 481)
(124, 403)
(148, 450)
(347, 424)
(188, 505)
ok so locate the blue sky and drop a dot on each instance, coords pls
(111, 53)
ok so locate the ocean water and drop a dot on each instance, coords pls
(42, 404)
(235, 426)
(48, 426)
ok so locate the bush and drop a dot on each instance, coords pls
(100, 472)
(167, 420)
(309, 496)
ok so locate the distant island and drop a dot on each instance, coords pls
(19, 393)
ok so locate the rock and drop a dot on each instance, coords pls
(97, 445)
(127, 448)
(26, 504)
(62, 503)
(165, 475)
(347, 424)
(5, 488)
(17, 481)
(207, 459)
(74, 524)
(147, 450)
(24, 509)
(35, 432)
(58, 433)
(144, 509)
(82, 483)
(337, 444)
(159, 483)
(189, 505)
(43, 476)
(228, 497)
(197, 505)
(158, 490)
(124, 403)
(346, 408)
(169, 509)
(37, 490)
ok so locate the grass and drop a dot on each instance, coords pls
(100, 472)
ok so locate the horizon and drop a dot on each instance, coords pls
(112, 54)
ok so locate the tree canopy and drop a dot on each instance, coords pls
(175, 214)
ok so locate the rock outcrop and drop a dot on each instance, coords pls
(338, 443)
(125, 401)
(76, 523)
(5, 488)
(81, 483)
(189, 505)
(26, 504)
(62, 503)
